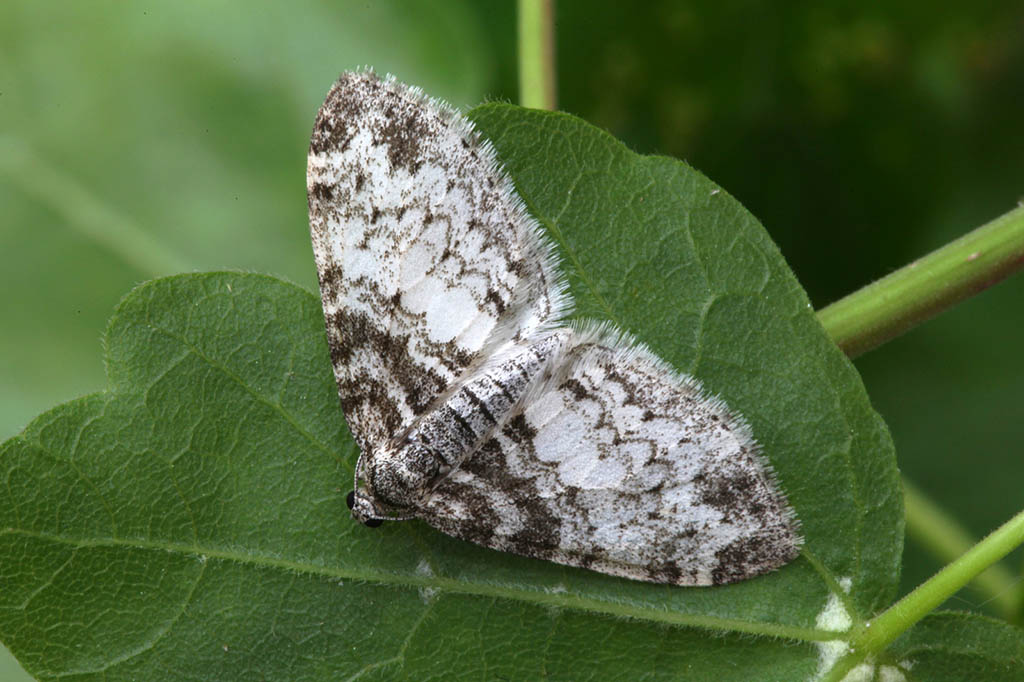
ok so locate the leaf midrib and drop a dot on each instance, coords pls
(448, 585)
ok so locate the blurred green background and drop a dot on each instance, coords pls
(144, 139)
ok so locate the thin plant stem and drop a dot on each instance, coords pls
(936, 530)
(536, 54)
(921, 290)
(891, 623)
(873, 636)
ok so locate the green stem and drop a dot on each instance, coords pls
(947, 539)
(890, 624)
(536, 54)
(917, 292)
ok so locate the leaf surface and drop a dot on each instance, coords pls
(949, 647)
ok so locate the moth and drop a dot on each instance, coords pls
(476, 407)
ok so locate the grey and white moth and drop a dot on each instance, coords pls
(475, 406)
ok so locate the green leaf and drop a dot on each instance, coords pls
(189, 522)
(960, 646)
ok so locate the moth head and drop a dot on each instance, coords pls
(362, 509)
(391, 484)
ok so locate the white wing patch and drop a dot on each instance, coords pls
(474, 406)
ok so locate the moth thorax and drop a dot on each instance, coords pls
(400, 478)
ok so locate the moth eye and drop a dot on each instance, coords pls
(373, 523)
(350, 499)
